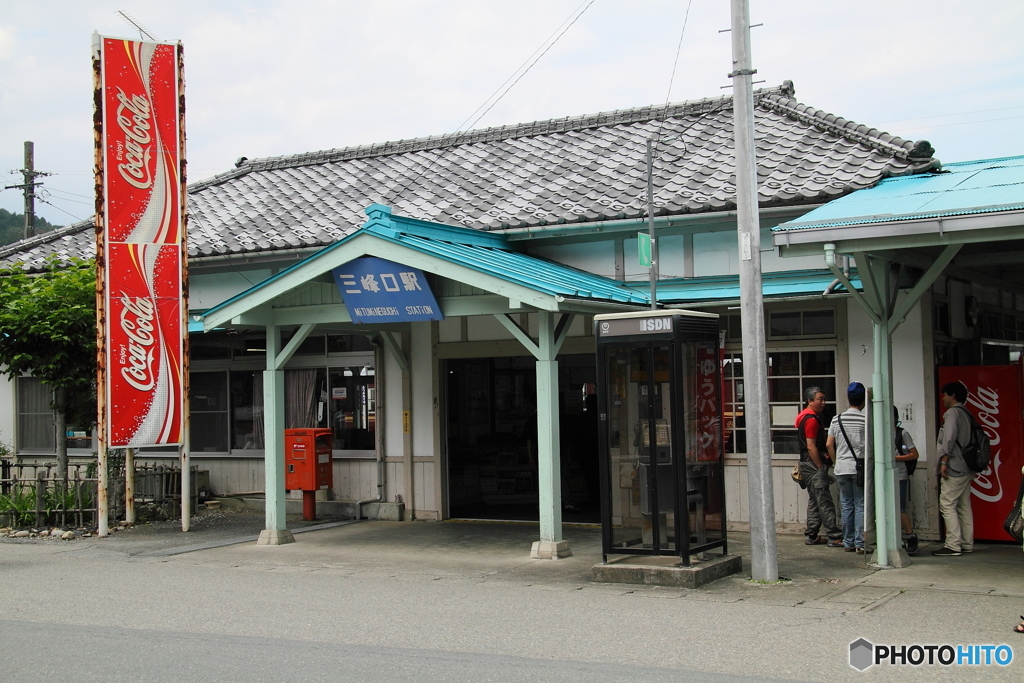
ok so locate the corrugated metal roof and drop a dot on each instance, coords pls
(486, 253)
(466, 248)
(962, 188)
(727, 287)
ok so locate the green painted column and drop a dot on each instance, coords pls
(551, 545)
(276, 532)
(548, 455)
(887, 526)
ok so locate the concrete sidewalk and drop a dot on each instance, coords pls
(817, 576)
(451, 588)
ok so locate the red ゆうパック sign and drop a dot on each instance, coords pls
(140, 241)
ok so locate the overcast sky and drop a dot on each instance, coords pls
(266, 78)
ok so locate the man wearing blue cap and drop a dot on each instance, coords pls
(846, 446)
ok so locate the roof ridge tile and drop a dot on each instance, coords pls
(491, 134)
(851, 130)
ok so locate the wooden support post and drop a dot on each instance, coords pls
(276, 531)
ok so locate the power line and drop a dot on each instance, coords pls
(551, 45)
(77, 218)
(459, 134)
(48, 194)
(679, 47)
(519, 68)
(672, 78)
(73, 194)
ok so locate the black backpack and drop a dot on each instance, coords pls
(821, 440)
(910, 464)
(977, 452)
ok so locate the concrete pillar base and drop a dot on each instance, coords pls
(665, 570)
(897, 560)
(275, 537)
(550, 550)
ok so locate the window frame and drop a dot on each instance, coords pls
(257, 363)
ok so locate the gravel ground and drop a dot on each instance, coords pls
(209, 528)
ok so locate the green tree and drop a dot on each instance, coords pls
(48, 329)
(12, 226)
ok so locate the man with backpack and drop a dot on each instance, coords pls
(814, 467)
(906, 463)
(953, 474)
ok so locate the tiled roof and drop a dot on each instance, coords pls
(969, 187)
(570, 170)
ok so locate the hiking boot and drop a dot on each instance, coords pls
(912, 546)
(946, 552)
(816, 540)
(835, 543)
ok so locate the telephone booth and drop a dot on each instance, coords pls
(660, 429)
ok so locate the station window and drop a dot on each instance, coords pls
(35, 416)
(37, 422)
(208, 408)
(819, 323)
(227, 407)
(789, 373)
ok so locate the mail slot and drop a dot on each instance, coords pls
(307, 459)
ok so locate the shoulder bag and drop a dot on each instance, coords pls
(859, 461)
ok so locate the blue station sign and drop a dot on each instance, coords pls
(376, 290)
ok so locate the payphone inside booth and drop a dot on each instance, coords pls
(660, 426)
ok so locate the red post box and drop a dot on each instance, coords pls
(307, 465)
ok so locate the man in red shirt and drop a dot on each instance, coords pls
(814, 466)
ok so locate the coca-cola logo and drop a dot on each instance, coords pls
(133, 117)
(987, 485)
(137, 318)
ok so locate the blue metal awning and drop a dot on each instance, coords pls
(727, 287)
(479, 259)
(966, 188)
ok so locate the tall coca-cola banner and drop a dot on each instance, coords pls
(994, 398)
(140, 240)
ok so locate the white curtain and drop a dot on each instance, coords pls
(299, 398)
(258, 432)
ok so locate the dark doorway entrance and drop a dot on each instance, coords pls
(492, 438)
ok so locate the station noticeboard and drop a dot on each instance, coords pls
(376, 290)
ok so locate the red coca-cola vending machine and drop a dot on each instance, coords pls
(996, 399)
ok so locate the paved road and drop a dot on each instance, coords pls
(110, 653)
(411, 602)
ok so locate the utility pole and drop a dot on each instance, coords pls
(764, 561)
(650, 224)
(29, 174)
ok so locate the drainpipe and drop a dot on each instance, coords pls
(835, 283)
(378, 426)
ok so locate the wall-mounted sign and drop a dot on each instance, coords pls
(376, 290)
(627, 326)
(643, 249)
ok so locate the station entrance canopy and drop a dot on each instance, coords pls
(469, 273)
(966, 220)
